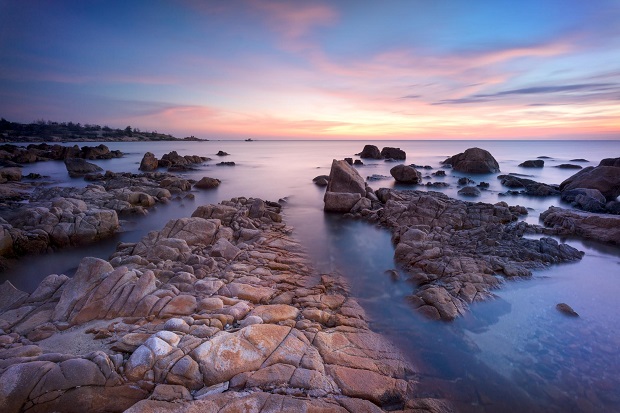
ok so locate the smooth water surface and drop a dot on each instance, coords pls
(515, 353)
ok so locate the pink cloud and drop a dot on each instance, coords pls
(295, 20)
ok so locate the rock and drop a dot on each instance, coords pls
(358, 162)
(453, 249)
(600, 227)
(439, 173)
(222, 153)
(345, 179)
(340, 202)
(79, 167)
(568, 166)
(465, 181)
(224, 249)
(469, 191)
(275, 313)
(321, 180)
(207, 183)
(149, 162)
(406, 174)
(345, 188)
(10, 174)
(566, 309)
(170, 392)
(610, 162)
(89, 274)
(473, 160)
(370, 152)
(606, 179)
(225, 164)
(587, 199)
(537, 163)
(368, 385)
(393, 153)
(225, 356)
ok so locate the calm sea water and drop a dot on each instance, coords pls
(515, 353)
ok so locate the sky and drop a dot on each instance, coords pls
(228, 69)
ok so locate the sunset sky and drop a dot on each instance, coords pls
(417, 69)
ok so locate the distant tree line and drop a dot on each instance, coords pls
(49, 130)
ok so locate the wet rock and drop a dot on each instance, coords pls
(473, 160)
(207, 183)
(393, 153)
(605, 179)
(405, 174)
(566, 309)
(222, 153)
(321, 180)
(345, 187)
(10, 174)
(149, 162)
(370, 152)
(225, 164)
(600, 227)
(590, 200)
(568, 166)
(536, 163)
(79, 167)
(455, 248)
(358, 162)
(471, 191)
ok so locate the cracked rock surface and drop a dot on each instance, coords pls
(216, 312)
(456, 251)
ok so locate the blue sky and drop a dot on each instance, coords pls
(339, 69)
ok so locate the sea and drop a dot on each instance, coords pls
(515, 353)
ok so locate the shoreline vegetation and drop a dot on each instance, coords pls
(223, 310)
(50, 131)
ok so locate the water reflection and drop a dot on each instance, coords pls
(512, 354)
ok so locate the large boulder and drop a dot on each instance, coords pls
(406, 174)
(149, 162)
(393, 153)
(79, 167)
(345, 187)
(344, 178)
(604, 178)
(473, 161)
(371, 152)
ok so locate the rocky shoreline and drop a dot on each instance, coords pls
(222, 311)
(456, 252)
(217, 312)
